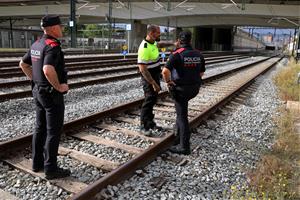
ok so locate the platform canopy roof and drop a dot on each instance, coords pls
(176, 13)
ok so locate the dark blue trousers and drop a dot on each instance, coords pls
(49, 122)
(182, 96)
(147, 115)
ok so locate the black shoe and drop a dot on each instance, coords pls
(58, 173)
(154, 127)
(180, 150)
(146, 132)
(37, 169)
(157, 128)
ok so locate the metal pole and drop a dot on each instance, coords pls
(298, 91)
(11, 44)
(83, 40)
(298, 48)
(109, 21)
(168, 22)
(168, 27)
(113, 31)
(73, 23)
(243, 5)
(102, 39)
(274, 35)
(290, 39)
(130, 17)
(294, 40)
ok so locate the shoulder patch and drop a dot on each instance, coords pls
(51, 43)
(145, 45)
(178, 50)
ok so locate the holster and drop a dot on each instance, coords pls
(172, 91)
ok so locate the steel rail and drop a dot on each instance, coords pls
(108, 56)
(95, 73)
(127, 169)
(9, 72)
(70, 61)
(72, 66)
(27, 93)
(25, 139)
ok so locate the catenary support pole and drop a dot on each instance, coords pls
(72, 23)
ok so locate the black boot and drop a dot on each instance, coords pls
(154, 127)
(58, 173)
(180, 150)
(38, 168)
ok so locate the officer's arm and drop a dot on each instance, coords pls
(26, 68)
(51, 76)
(146, 74)
(166, 73)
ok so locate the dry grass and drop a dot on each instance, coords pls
(277, 175)
(286, 81)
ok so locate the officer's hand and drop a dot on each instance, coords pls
(171, 83)
(156, 87)
(63, 88)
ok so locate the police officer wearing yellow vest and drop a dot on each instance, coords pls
(49, 83)
(182, 73)
(149, 66)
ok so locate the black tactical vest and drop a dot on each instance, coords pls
(187, 70)
(44, 51)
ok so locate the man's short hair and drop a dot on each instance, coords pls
(152, 28)
(185, 37)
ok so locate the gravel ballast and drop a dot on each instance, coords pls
(18, 116)
(222, 150)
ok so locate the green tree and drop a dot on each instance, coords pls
(92, 31)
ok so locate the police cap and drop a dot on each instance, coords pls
(50, 20)
(185, 36)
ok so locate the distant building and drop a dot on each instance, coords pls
(267, 38)
(22, 38)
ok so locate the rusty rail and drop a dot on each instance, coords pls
(128, 168)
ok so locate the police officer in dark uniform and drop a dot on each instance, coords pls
(49, 83)
(182, 73)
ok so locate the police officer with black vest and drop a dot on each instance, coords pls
(49, 83)
(182, 73)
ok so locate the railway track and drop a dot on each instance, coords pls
(106, 75)
(97, 53)
(117, 159)
(15, 71)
